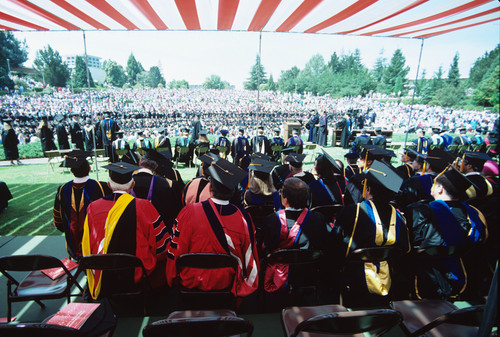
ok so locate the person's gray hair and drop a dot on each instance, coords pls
(120, 187)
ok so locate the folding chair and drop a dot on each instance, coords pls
(51, 156)
(200, 151)
(369, 255)
(304, 273)
(310, 150)
(213, 323)
(118, 270)
(182, 151)
(36, 285)
(328, 211)
(438, 318)
(205, 299)
(258, 213)
(222, 151)
(335, 320)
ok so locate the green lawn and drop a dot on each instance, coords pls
(34, 186)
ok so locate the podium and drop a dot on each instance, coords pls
(288, 127)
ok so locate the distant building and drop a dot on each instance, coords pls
(95, 66)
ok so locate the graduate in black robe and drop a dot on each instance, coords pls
(62, 134)
(9, 142)
(346, 125)
(76, 132)
(164, 194)
(323, 129)
(313, 129)
(329, 187)
(446, 221)
(46, 136)
(372, 223)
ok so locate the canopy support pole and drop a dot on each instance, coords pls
(258, 76)
(414, 93)
(90, 103)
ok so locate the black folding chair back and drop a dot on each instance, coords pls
(193, 327)
(118, 276)
(36, 285)
(38, 330)
(328, 211)
(375, 254)
(202, 299)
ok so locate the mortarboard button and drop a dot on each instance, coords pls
(226, 173)
(121, 172)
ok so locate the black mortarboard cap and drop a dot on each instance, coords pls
(167, 154)
(277, 130)
(131, 157)
(439, 159)
(332, 161)
(295, 159)
(59, 117)
(106, 114)
(378, 129)
(384, 175)
(226, 173)
(458, 181)
(209, 158)
(119, 132)
(476, 156)
(352, 155)
(241, 128)
(260, 127)
(75, 114)
(259, 155)
(203, 132)
(75, 158)
(224, 132)
(261, 165)
(436, 130)
(7, 120)
(375, 152)
(121, 172)
(160, 130)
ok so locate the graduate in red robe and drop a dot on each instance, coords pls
(120, 223)
(216, 226)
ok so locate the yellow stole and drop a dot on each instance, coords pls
(114, 215)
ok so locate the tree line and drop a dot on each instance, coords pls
(342, 75)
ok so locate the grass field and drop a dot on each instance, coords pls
(34, 186)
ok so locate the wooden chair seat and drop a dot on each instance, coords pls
(438, 318)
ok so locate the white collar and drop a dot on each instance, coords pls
(300, 174)
(472, 174)
(293, 209)
(120, 192)
(220, 202)
(145, 170)
(81, 180)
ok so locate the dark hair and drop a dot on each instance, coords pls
(450, 188)
(296, 192)
(477, 165)
(219, 191)
(379, 192)
(81, 171)
(148, 163)
(323, 167)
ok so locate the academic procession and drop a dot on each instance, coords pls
(196, 212)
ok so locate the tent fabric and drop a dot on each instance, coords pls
(389, 18)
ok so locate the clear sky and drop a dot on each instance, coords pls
(195, 55)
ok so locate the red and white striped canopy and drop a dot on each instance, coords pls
(389, 18)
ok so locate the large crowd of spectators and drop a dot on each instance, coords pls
(147, 109)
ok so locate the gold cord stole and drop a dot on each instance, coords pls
(378, 278)
(114, 215)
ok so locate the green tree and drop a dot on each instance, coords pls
(50, 64)
(449, 96)
(215, 82)
(453, 73)
(80, 74)
(13, 50)
(395, 73)
(437, 80)
(257, 75)
(486, 93)
(142, 79)
(133, 69)
(182, 84)
(271, 85)
(379, 68)
(155, 77)
(115, 74)
(483, 66)
(288, 79)
(334, 63)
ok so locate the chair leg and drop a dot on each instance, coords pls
(9, 313)
(40, 304)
